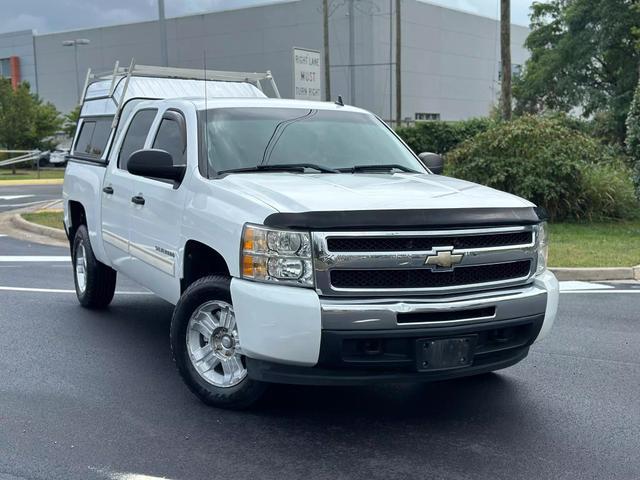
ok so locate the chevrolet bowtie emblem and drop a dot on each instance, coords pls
(444, 259)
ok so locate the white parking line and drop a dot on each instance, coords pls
(566, 286)
(16, 205)
(57, 290)
(605, 291)
(591, 287)
(35, 258)
(14, 197)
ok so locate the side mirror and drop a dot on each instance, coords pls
(155, 164)
(433, 161)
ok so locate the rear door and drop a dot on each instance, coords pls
(117, 191)
(156, 224)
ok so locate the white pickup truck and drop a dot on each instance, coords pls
(300, 242)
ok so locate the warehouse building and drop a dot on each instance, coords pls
(449, 59)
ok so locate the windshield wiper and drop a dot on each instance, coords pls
(372, 168)
(284, 167)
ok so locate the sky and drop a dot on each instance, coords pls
(46, 16)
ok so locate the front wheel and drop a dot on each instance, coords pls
(95, 282)
(206, 346)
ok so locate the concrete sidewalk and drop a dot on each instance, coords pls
(597, 274)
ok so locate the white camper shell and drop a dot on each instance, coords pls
(109, 97)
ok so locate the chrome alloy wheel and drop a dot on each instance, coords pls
(213, 346)
(81, 267)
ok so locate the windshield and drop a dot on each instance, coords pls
(239, 138)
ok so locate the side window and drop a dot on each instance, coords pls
(93, 137)
(136, 135)
(83, 144)
(171, 138)
(100, 136)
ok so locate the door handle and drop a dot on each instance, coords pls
(138, 200)
(108, 190)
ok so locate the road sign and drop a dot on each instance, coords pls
(306, 74)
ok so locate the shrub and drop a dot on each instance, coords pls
(543, 160)
(441, 137)
(608, 192)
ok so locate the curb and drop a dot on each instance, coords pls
(22, 224)
(597, 274)
(43, 181)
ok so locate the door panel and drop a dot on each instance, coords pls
(156, 225)
(117, 208)
(155, 237)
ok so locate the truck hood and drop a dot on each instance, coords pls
(292, 192)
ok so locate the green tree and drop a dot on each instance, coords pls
(583, 56)
(633, 137)
(70, 121)
(25, 120)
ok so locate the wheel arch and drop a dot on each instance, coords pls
(200, 260)
(77, 217)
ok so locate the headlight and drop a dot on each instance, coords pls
(280, 256)
(543, 248)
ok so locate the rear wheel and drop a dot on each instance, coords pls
(95, 282)
(206, 346)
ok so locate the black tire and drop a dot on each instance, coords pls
(240, 396)
(100, 283)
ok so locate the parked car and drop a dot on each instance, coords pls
(300, 242)
(58, 157)
(43, 158)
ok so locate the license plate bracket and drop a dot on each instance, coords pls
(445, 353)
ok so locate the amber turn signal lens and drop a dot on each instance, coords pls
(248, 240)
(247, 265)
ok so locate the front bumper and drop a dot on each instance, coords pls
(290, 335)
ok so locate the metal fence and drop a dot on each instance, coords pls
(19, 156)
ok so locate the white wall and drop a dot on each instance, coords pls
(20, 44)
(450, 58)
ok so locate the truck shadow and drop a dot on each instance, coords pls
(451, 399)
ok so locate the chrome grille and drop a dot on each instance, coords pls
(410, 243)
(382, 263)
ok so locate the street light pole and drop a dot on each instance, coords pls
(75, 58)
(74, 44)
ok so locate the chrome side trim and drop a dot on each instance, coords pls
(161, 261)
(369, 314)
(325, 260)
(115, 240)
(157, 260)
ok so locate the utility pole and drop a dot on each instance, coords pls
(398, 63)
(327, 63)
(164, 56)
(505, 55)
(390, 61)
(352, 53)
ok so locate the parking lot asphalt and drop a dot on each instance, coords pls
(95, 395)
(21, 196)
